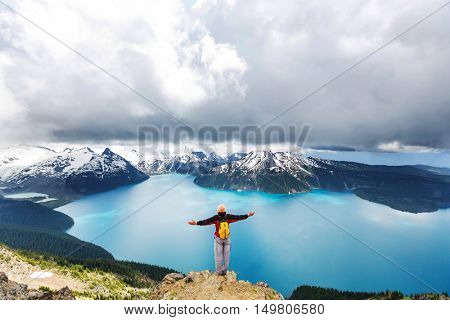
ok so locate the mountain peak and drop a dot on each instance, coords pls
(199, 154)
(107, 152)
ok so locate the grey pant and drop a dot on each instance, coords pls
(222, 250)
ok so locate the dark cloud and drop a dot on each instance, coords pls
(233, 63)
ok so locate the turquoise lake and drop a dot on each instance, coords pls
(291, 240)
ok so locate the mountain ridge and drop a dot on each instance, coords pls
(74, 172)
(404, 188)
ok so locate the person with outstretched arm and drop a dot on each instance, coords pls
(222, 241)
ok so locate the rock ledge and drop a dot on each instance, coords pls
(10, 290)
(205, 285)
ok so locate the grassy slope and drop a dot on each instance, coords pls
(105, 279)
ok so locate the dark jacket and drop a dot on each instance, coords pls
(216, 219)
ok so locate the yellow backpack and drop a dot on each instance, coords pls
(224, 230)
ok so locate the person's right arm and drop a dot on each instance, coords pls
(207, 221)
(204, 222)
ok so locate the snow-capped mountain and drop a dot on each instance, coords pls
(285, 172)
(405, 188)
(236, 156)
(258, 170)
(76, 171)
(104, 172)
(191, 163)
(186, 164)
(13, 159)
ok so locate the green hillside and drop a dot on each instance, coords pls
(49, 241)
(32, 214)
(318, 293)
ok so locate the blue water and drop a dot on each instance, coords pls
(285, 244)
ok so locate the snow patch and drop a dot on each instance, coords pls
(41, 274)
(25, 195)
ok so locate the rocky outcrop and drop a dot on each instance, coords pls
(205, 285)
(10, 290)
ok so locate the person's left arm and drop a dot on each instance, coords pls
(233, 218)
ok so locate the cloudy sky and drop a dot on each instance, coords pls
(226, 62)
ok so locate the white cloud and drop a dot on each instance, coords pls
(202, 6)
(157, 47)
(396, 146)
(11, 110)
